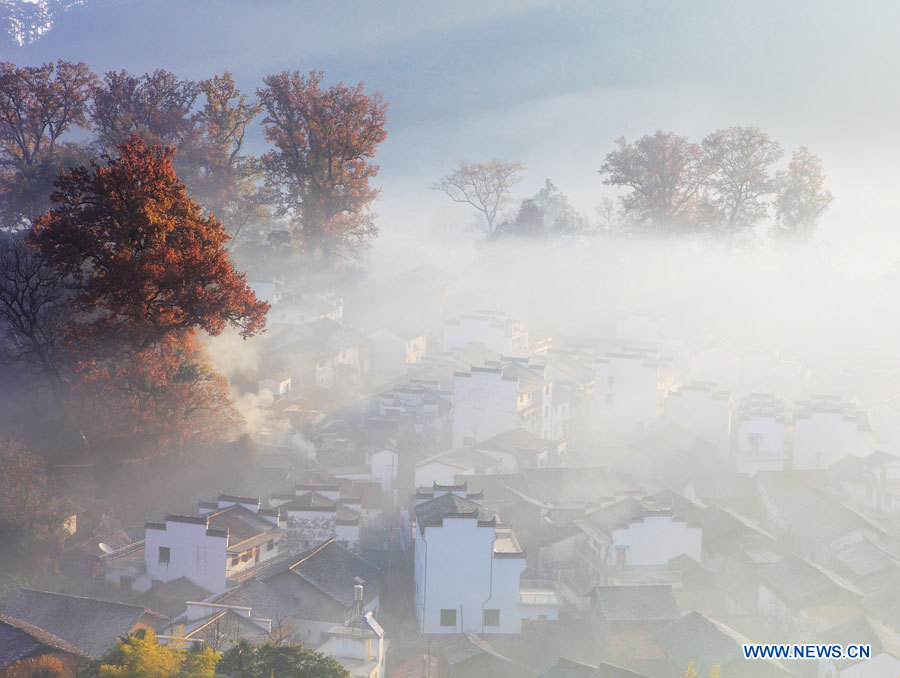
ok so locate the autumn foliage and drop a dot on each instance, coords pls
(149, 270)
(146, 260)
(321, 165)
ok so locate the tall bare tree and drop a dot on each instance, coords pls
(801, 196)
(483, 185)
(664, 172)
(739, 161)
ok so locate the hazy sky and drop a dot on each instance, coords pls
(549, 83)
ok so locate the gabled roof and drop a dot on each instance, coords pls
(636, 603)
(19, 639)
(243, 525)
(862, 631)
(461, 647)
(334, 570)
(699, 639)
(566, 668)
(801, 583)
(91, 625)
(448, 505)
(265, 600)
(516, 441)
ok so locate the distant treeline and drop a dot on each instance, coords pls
(724, 185)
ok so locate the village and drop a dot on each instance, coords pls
(480, 499)
(519, 339)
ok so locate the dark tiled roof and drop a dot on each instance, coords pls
(435, 510)
(799, 582)
(461, 647)
(20, 639)
(636, 603)
(242, 524)
(564, 668)
(334, 570)
(696, 638)
(264, 600)
(91, 625)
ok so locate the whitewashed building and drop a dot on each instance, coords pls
(501, 395)
(826, 429)
(468, 567)
(627, 393)
(704, 410)
(228, 539)
(496, 330)
(759, 434)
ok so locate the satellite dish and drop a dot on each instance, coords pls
(106, 548)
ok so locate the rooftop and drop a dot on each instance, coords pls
(91, 625)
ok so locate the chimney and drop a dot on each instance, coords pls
(357, 605)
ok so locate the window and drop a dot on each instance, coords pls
(164, 554)
(448, 617)
(235, 559)
(610, 399)
(270, 545)
(492, 617)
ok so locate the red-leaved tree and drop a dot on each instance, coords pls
(321, 165)
(149, 270)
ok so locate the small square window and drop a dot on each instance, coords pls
(164, 553)
(448, 617)
(492, 617)
(235, 560)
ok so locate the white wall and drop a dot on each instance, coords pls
(704, 412)
(627, 397)
(823, 438)
(478, 329)
(455, 568)
(760, 444)
(655, 541)
(484, 404)
(192, 554)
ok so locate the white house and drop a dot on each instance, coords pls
(358, 644)
(315, 513)
(441, 468)
(501, 395)
(518, 449)
(307, 308)
(632, 542)
(269, 291)
(277, 384)
(468, 568)
(229, 537)
(827, 429)
(702, 409)
(759, 434)
(396, 345)
(495, 330)
(627, 394)
(636, 329)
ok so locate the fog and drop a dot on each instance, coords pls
(781, 332)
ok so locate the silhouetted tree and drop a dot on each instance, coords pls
(483, 185)
(738, 177)
(801, 196)
(664, 172)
